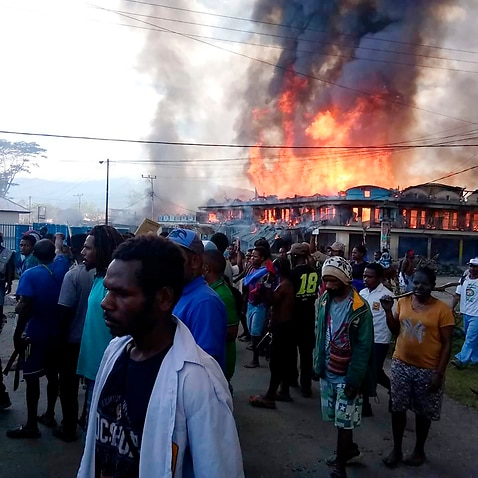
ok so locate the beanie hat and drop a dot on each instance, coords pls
(339, 268)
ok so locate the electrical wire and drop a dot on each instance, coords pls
(283, 25)
(298, 73)
(283, 37)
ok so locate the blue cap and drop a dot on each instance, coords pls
(187, 239)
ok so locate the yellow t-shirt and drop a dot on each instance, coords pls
(419, 343)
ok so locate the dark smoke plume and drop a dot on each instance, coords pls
(331, 39)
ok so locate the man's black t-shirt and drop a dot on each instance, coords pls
(121, 413)
(358, 270)
(306, 284)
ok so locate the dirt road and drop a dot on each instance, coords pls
(291, 441)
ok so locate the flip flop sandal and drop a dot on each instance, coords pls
(259, 401)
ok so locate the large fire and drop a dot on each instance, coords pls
(286, 172)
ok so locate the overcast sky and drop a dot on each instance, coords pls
(70, 68)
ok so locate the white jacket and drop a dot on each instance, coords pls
(190, 410)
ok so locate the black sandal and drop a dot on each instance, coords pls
(24, 432)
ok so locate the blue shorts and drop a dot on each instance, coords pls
(256, 319)
(40, 358)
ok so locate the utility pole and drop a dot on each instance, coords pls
(79, 201)
(107, 188)
(151, 180)
(29, 210)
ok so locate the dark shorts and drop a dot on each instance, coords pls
(2, 292)
(409, 390)
(40, 359)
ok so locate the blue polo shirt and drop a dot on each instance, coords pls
(42, 284)
(96, 335)
(204, 313)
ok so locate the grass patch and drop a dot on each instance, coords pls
(459, 382)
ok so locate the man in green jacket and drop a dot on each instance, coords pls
(343, 357)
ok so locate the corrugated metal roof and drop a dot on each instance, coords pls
(9, 206)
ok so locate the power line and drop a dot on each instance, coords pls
(283, 25)
(306, 40)
(298, 50)
(245, 146)
(298, 73)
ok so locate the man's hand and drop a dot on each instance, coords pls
(435, 382)
(387, 302)
(8, 288)
(350, 391)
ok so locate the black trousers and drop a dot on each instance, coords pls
(69, 383)
(305, 343)
(281, 362)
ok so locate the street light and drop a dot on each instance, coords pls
(107, 187)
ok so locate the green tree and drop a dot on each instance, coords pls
(15, 158)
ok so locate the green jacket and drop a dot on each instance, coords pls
(361, 370)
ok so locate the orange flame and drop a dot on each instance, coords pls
(287, 172)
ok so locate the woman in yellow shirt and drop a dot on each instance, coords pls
(424, 328)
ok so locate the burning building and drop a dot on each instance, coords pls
(428, 218)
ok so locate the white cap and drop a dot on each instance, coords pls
(473, 262)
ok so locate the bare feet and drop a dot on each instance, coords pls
(392, 460)
(252, 365)
(415, 459)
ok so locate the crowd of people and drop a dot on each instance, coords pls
(150, 325)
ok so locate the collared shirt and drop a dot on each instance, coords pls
(204, 313)
(382, 334)
(96, 335)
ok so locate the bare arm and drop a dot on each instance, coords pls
(456, 300)
(312, 245)
(446, 336)
(393, 322)
(24, 311)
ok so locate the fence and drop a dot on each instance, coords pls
(12, 233)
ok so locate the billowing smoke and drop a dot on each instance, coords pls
(372, 46)
(191, 80)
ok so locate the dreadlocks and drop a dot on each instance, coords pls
(107, 239)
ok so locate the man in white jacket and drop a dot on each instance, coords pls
(161, 405)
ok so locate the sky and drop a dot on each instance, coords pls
(74, 68)
(71, 70)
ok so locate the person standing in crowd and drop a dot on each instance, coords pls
(374, 290)
(467, 295)
(27, 260)
(136, 428)
(7, 274)
(283, 252)
(343, 358)
(38, 329)
(358, 266)
(280, 296)
(306, 284)
(424, 327)
(199, 307)
(73, 303)
(256, 305)
(222, 243)
(337, 249)
(407, 269)
(377, 256)
(213, 270)
(97, 252)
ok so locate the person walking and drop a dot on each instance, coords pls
(467, 296)
(343, 358)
